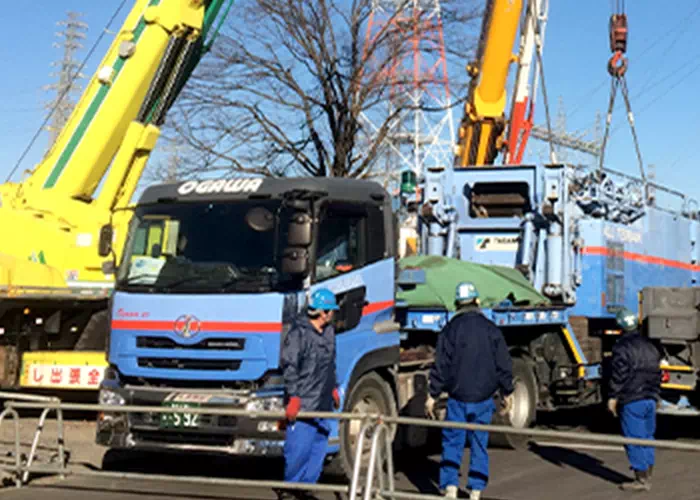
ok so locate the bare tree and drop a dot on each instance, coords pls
(285, 86)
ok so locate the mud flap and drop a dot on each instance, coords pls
(94, 336)
(9, 366)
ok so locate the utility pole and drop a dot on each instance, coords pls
(66, 85)
(423, 136)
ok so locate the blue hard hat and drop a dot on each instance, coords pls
(466, 292)
(323, 299)
(627, 320)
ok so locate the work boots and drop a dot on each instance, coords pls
(451, 491)
(641, 482)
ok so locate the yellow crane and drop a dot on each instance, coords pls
(483, 126)
(53, 286)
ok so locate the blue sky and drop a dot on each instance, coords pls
(663, 77)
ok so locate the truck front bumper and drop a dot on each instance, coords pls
(186, 431)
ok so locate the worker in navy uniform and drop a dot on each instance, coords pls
(472, 364)
(309, 369)
(635, 385)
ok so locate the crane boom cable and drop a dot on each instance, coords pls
(608, 120)
(633, 129)
(540, 67)
(545, 99)
(694, 69)
(617, 67)
(673, 30)
(65, 91)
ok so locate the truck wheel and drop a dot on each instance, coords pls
(370, 394)
(524, 409)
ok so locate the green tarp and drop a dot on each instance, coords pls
(494, 283)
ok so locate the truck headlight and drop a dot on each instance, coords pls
(265, 404)
(111, 398)
(268, 426)
(275, 403)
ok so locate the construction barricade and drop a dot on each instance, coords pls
(376, 482)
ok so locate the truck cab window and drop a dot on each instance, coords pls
(340, 244)
(147, 236)
(226, 247)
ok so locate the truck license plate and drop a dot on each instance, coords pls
(180, 420)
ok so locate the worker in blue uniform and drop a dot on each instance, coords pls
(472, 364)
(635, 386)
(309, 370)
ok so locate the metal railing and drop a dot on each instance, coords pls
(378, 429)
(46, 405)
(391, 493)
(40, 427)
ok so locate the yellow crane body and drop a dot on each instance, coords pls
(481, 132)
(53, 286)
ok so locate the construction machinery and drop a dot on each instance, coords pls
(54, 290)
(216, 270)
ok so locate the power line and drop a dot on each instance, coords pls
(665, 93)
(681, 29)
(52, 111)
(674, 29)
(665, 79)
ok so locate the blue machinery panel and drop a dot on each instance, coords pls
(586, 244)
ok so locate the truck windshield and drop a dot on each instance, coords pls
(229, 247)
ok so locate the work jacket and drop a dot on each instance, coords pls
(636, 372)
(472, 360)
(308, 365)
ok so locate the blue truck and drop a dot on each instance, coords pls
(214, 271)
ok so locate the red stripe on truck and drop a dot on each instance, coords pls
(638, 257)
(226, 326)
(206, 326)
(376, 307)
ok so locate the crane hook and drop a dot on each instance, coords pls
(617, 65)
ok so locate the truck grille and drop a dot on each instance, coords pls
(207, 439)
(235, 385)
(219, 344)
(216, 421)
(190, 364)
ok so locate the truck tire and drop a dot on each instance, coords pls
(94, 335)
(370, 394)
(524, 409)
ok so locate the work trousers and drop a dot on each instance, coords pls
(305, 446)
(453, 441)
(638, 420)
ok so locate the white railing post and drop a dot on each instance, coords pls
(357, 466)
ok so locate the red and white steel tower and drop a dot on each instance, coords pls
(422, 137)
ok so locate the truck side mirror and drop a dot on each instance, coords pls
(108, 267)
(299, 234)
(295, 261)
(105, 244)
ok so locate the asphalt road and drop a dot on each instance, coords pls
(544, 471)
